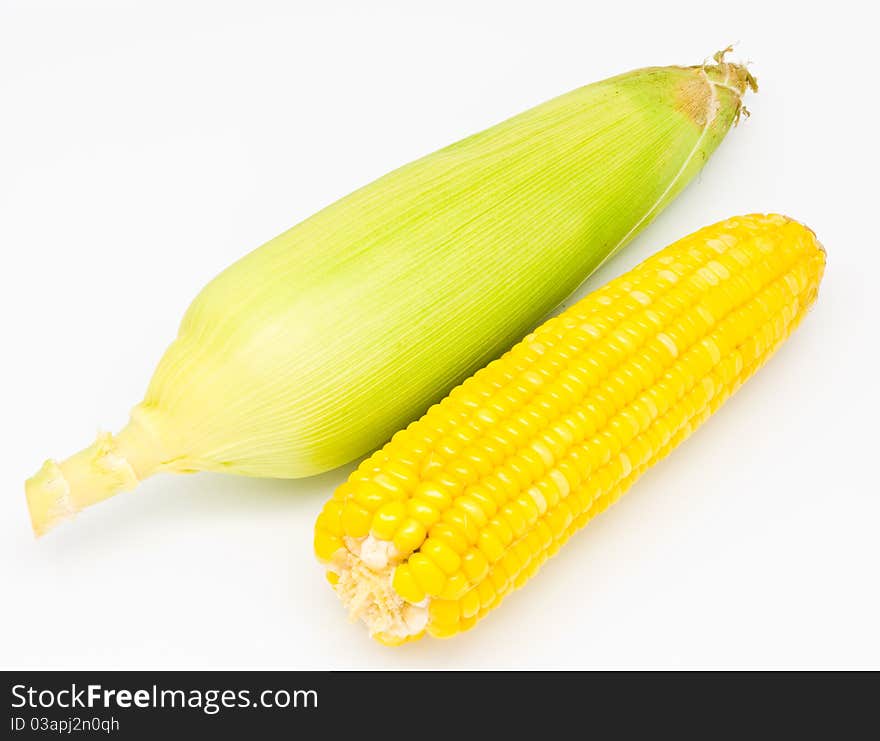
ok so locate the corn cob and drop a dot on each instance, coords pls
(464, 505)
(283, 364)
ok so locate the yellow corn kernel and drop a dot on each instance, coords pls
(487, 594)
(390, 485)
(501, 529)
(470, 603)
(437, 496)
(451, 536)
(514, 518)
(474, 565)
(330, 518)
(527, 509)
(441, 554)
(480, 496)
(460, 519)
(490, 546)
(370, 496)
(409, 537)
(388, 519)
(326, 544)
(420, 510)
(406, 586)
(444, 613)
(472, 509)
(456, 586)
(438, 630)
(355, 520)
(427, 574)
(575, 413)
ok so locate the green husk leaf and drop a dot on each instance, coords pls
(313, 349)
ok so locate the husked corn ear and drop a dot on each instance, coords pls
(432, 531)
(316, 347)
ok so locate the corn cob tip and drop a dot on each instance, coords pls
(735, 74)
(819, 245)
(719, 86)
(110, 465)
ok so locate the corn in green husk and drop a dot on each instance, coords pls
(314, 348)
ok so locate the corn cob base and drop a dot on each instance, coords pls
(435, 529)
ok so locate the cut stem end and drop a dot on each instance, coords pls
(110, 465)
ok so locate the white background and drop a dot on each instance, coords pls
(145, 146)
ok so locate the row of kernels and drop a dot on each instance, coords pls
(472, 389)
(554, 401)
(600, 448)
(518, 469)
(677, 380)
(745, 284)
(733, 261)
(638, 448)
(568, 470)
(644, 451)
(396, 478)
(510, 570)
(689, 329)
(420, 578)
(451, 536)
(439, 569)
(738, 326)
(466, 525)
(422, 435)
(455, 441)
(591, 327)
(713, 358)
(438, 421)
(456, 586)
(421, 511)
(521, 361)
(546, 333)
(554, 441)
(489, 378)
(622, 386)
(714, 389)
(645, 289)
(659, 396)
(387, 520)
(404, 448)
(480, 496)
(441, 554)
(370, 495)
(355, 520)
(675, 301)
(724, 335)
(463, 400)
(500, 486)
(603, 401)
(694, 364)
